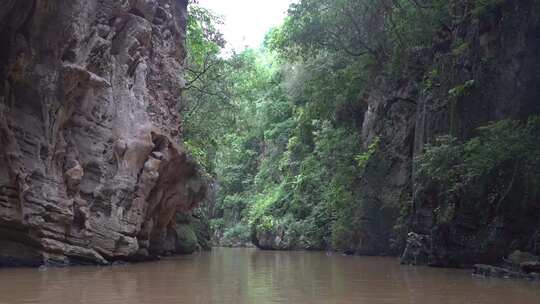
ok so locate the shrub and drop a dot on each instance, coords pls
(237, 235)
(501, 146)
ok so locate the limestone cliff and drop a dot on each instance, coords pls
(494, 57)
(91, 166)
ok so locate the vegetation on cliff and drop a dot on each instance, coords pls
(283, 128)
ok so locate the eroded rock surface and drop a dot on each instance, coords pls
(91, 166)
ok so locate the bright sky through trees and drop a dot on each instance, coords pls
(247, 21)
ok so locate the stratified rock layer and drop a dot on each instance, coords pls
(91, 169)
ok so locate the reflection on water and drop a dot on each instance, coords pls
(239, 276)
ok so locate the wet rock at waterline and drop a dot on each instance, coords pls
(518, 265)
(530, 267)
(504, 273)
(273, 239)
(91, 169)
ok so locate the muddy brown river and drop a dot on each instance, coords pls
(237, 276)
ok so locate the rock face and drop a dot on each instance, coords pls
(495, 58)
(91, 166)
(275, 239)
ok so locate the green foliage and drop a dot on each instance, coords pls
(203, 37)
(363, 158)
(206, 106)
(267, 122)
(497, 146)
(187, 239)
(279, 127)
(199, 154)
(443, 160)
(462, 89)
(261, 211)
(237, 235)
(283, 164)
(491, 165)
(349, 27)
(483, 7)
(460, 48)
(431, 80)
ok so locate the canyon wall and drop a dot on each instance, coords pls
(493, 61)
(91, 164)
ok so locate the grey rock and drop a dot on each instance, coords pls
(506, 273)
(517, 257)
(278, 237)
(530, 267)
(493, 271)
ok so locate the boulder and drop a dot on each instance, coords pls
(493, 271)
(517, 258)
(530, 267)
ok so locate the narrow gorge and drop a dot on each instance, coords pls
(402, 130)
(382, 128)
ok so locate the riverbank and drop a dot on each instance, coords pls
(518, 265)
